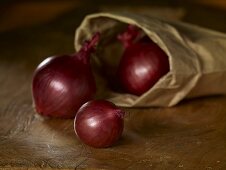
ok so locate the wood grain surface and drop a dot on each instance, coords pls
(189, 136)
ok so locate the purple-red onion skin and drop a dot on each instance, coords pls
(143, 63)
(61, 85)
(99, 123)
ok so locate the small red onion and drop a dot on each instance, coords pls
(143, 63)
(61, 84)
(99, 123)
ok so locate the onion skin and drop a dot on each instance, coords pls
(61, 84)
(99, 123)
(142, 64)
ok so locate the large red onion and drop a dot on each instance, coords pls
(99, 123)
(61, 84)
(143, 62)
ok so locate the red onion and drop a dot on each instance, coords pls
(143, 63)
(61, 84)
(99, 123)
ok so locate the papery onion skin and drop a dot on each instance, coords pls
(99, 123)
(61, 84)
(143, 63)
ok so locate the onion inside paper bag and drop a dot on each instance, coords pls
(197, 57)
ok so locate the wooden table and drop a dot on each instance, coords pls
(189, 136)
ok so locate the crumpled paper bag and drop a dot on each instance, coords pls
(197, 57)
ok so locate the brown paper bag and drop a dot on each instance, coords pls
(197, 57)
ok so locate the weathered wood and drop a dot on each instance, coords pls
(191, 135)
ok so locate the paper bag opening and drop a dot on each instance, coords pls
(188, 57)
